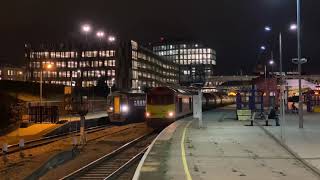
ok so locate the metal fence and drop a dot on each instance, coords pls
(41, 114)
(50, 111)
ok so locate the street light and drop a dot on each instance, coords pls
(83, 110)
(110, 83)
(47, 67)
(100, 34)
(293, 27)
(263, 48)
(271, 62)
(267, 28)
(111, 38)
(86, 28)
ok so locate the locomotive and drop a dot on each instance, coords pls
(165, 105)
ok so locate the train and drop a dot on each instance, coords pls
(165, 105)
(160, 106)
(126, 107)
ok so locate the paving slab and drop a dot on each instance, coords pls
(225, 149)
(304, 142)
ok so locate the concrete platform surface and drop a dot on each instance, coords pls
(36, 131)
(225, 149)
(93, 115)
(304, 142)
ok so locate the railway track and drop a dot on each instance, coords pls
(116, 163)
(50, 139)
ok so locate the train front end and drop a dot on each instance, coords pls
(126, 107)
(160, 108)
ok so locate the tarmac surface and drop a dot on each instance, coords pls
(225, 149)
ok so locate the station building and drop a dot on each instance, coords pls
(12, 73)
(126, 64)
(196, 61)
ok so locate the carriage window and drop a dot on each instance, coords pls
(139, 102)
(160, 100)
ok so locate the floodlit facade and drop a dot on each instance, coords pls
(124, 63)
(196, 61)
(12, 73)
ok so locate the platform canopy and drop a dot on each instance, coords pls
(294, 84)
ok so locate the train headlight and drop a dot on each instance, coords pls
(124, 108)
(171, 114)
(147, 114)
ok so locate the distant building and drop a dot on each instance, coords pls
(196, 61)
(12, 73)
(126, 63)
(226, 83)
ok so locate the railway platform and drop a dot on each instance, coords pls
(224, 149)
(36, 131)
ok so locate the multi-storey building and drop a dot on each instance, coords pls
(125, 63)
(196, 61)
(12, 73)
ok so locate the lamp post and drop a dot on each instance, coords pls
(110, 83)
(83, 107)
(100, 34)
(293, 27)
(271, 63)
(86, 28)
(299, 62)
(111, 38)
(47, 67)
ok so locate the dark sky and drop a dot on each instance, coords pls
(233, 27)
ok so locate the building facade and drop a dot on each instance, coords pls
(124, 63)
(12, 73)
(196, 61)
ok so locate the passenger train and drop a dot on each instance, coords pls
(126, 107)
(165, 104)
(160, 106)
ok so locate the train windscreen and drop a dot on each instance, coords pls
(160, 100)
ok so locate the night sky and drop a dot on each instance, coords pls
(233, 27)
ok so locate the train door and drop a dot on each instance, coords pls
(116, 105)
(180, 105)
(190, 104)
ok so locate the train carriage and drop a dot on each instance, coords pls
(165, 105)
(126, 107)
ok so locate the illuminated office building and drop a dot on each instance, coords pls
(125, 63)
(196, 61)
(12, 73)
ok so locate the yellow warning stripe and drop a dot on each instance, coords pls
(183, 153)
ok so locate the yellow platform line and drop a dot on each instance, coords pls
(183, 153)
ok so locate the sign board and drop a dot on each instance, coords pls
(68, 90)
